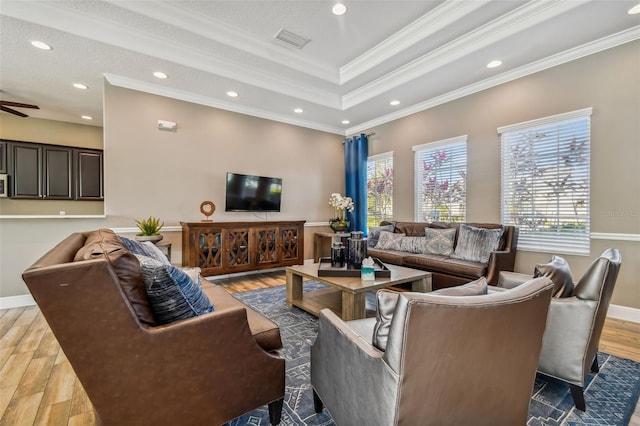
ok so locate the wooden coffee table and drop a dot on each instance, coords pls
(346, 295)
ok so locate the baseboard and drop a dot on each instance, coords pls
(16, 301)
(624, 313)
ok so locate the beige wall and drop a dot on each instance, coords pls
(610, 83)
(188, 166)
(55, 133)
(167, 174)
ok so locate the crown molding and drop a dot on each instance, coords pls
(587, 49)
(59, 17)
(508, 24)
(439, 18)
(220, 31)
(154, 89)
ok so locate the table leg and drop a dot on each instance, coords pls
(294, 287)
(422, 285)
(317, 246)
(353, 306)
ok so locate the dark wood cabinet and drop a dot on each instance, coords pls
(89, 174)
(3, 157)
(26, 170)
(229, 247)
(54, 172)
(57, 173)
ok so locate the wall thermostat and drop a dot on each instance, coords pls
(167, 125)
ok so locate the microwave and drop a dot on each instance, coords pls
(4, 186)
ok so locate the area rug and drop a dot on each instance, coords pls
(611, 395)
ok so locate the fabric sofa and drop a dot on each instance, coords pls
(207, 369)
(448, 270)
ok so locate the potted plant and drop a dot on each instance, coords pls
(341, 204)
(149, 229)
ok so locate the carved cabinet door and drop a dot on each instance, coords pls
(267, 243)
(289, 243)
(209, 252)
(237, 256)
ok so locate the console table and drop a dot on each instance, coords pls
(229, 247)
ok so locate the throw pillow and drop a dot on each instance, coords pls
(558, 271)
(387, 301)
(145, 248)
(389, 241)
(413, 244)
(374, 234)
(440, 241)
(105, 244)
(172, 294)
(476, 244)
(474, 288)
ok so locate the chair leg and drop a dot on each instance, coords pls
(595, 368)
(317, 402)
(275, 411)
(578, 397)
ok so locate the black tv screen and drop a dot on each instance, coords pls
(250, 193)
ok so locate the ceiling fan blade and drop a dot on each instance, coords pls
(12, 111)
(18, 105)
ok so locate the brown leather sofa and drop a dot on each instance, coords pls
(204, 370)
(446, 270)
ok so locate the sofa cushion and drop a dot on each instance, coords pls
(173, 295)
(388, 256)
(265, 331)
(446, 265)
(558, 271)
(439, 241)
(145, 248)
(374, 234)
(105, 244)
(389, 241)
(413, 244)
(384, 314)
(410, 229)
(476, 244)
(474, 288)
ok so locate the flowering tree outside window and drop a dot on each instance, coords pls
(545, 182)
(440, 181)
(379, 189)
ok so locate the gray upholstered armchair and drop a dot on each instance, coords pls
(470, 360)
(574, 326)
(570, 344)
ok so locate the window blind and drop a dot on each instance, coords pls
(440, 175)
(546, 184)
(379, 188)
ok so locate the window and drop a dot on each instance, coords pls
(440, 173)
(545, 182)
(379, 188)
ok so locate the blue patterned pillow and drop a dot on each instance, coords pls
(145, 248)
(172, 294)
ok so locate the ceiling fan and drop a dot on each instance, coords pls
(4, 106)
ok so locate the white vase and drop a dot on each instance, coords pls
(153, 238)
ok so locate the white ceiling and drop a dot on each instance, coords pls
(420, 52)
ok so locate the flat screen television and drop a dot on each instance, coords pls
(248, 193)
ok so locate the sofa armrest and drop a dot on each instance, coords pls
(508, 279)
(499, 261)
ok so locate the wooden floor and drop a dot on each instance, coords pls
(39, 387)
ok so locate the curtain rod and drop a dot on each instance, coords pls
(367, 135)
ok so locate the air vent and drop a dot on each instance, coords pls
(291, 39)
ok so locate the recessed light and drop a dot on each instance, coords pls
(634, 10)
(494, 64)
(87, 117)
(232, 94)
(80, 86)
(394, 103)
(345, 122)
(298, 110)
(41, 45)
(339, 9)
(160, 74)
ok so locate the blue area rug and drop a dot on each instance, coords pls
(611, 395)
